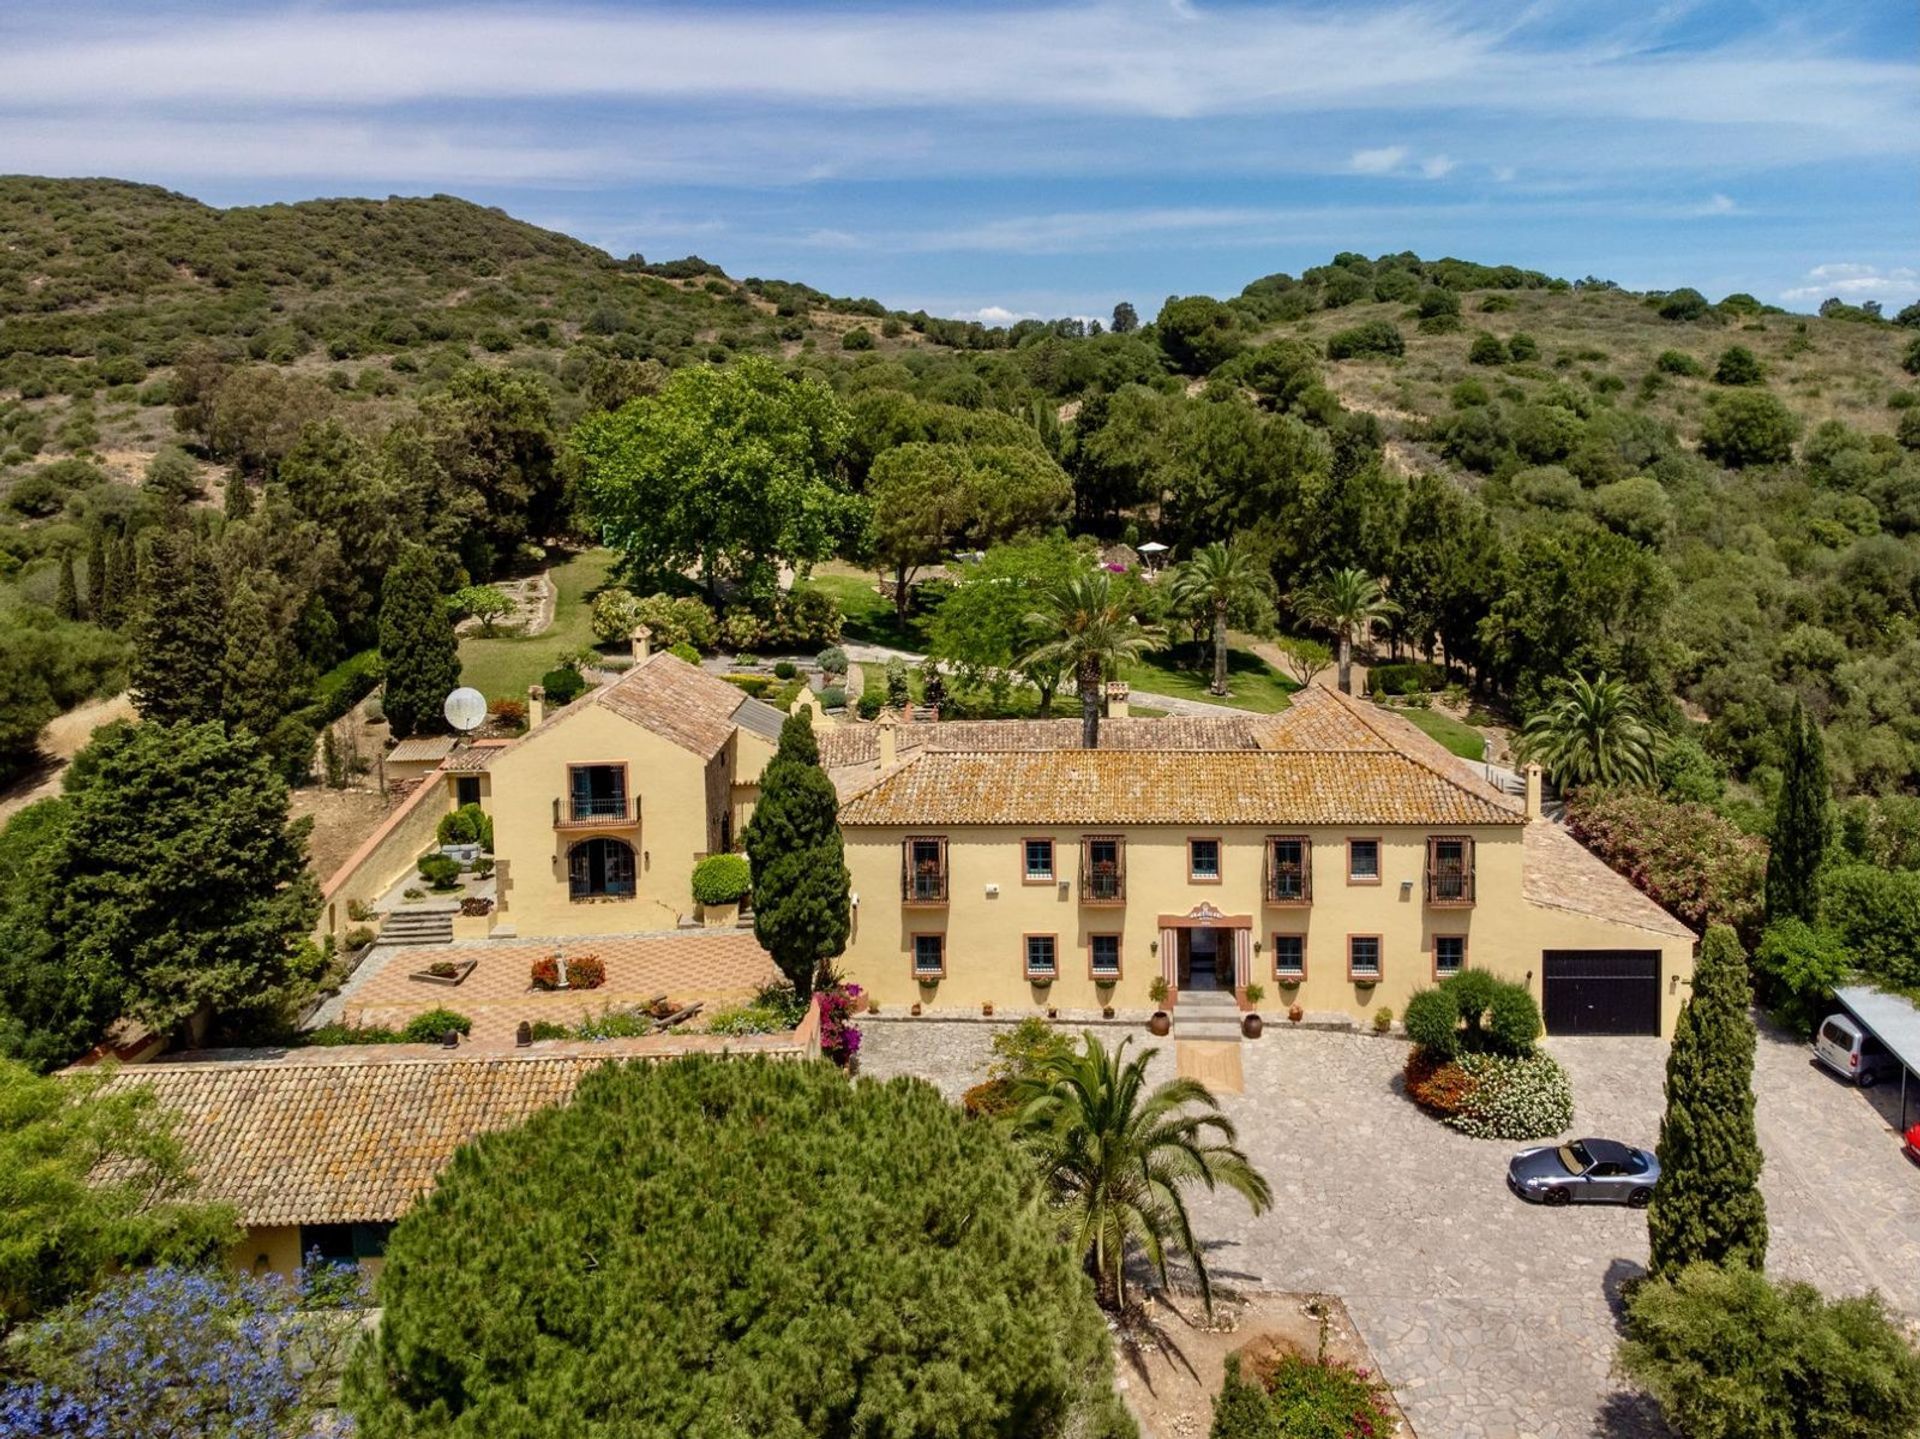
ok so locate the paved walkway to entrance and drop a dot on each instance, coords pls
(1495, 1319)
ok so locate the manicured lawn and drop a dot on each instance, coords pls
(869, 614)
(1463, 739)
(1252, 683)
(503, 667)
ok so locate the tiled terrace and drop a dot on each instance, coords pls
(715, 967)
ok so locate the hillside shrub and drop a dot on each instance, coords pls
(1297, 1397)
(1679, 362)
(1729, 1354)
(1748, 427)
(563, 685)
(730, 1207)
(1522, 347)
(1376, 337)
(721, 879)
(1684, 304)
(1486, 349)
(1910, 361)
(1738, 366)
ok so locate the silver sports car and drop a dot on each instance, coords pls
(1584, 1171)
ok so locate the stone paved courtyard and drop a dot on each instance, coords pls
(1491, 1317)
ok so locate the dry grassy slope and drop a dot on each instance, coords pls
(1842, 370)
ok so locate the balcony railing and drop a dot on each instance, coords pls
(924, 886)
(595, 812)
(1102, 884)
(1450, 886)
(1289, 872)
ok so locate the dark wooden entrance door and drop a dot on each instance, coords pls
(1601, 991)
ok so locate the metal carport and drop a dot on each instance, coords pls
(1893, 1020)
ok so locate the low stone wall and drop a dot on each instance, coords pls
(385, 858)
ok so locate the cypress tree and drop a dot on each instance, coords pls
(97, 573)
(1707, 1204)
(180, 643)
(239, 496)
(254, 672)
(117, 600)
(417, 645)
(801, 913)
(67, 603)
(1800, 825)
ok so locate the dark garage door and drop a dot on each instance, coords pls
(1602, 991)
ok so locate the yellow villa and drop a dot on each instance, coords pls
(1332, 854)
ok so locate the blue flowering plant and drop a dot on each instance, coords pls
(178, 1353)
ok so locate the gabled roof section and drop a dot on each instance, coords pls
(1558, 872)
(759, 717)
(856, 744)
(679, 702)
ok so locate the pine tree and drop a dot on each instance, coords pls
(800, 906)
(67, 603)
(97, 573)
(1707, 1203)
(417, 645)
(254, 674)
(117, 594)
(1800, 825)
(180, 645)
(239, 496)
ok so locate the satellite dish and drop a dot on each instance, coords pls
(465, 709)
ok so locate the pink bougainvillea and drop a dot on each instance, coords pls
(839, 1036)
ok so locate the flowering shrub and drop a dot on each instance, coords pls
(546, 972)
(172, 1352)
(1524, 1098)
(1303, 1397)
(1437, 1083)
(1686, 857)
(585, 971)
(839, 1036)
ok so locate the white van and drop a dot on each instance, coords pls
(1850, 1052)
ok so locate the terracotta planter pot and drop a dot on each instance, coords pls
(1296, 1014)
(916, 1009)
(1251, 1025)
(1160, 1024)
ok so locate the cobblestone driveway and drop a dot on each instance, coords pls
(1490, 1317)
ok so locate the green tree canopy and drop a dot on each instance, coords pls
(715, 1247)
(1198, 333)
(418, 650)
(801, 911)
(984, 627)
(1222, 583)
(1590, 732)
(733, 470)
(1801, 825)
(1707, 1204)
(90, 1183)
(180, 642)
(1090, 630)
(1349, 603)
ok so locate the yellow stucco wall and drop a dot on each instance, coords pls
(268, 1249)
(985, 932)
(682, 801)
(389, 855)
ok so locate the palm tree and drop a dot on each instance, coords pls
(1117, 1158)
(1217, 580)
(1094, 631)
(1591, 733)
(1349, 602)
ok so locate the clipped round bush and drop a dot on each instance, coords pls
(1529, 1097)
(1472, 991)
(1432, 1021)
(726, 1209)
(440, 871)
(832, 660)
(432, 1027)
(563, 685)
(721, 879)
(468, 824)
(833, 698)
(1512, 1019)
(870, 706)
(785, 669)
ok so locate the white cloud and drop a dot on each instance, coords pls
(1504, 173)
(1383, 161)
(994, 315)
(1436, 167)
(1849, 281)
(1718, 204)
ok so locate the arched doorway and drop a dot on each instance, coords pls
(600, 868)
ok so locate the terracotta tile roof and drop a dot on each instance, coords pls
(476, 756)
(854, 744)
(336, 1136)
(425, 748)
(1561, 873)
(1162, 787)
(676, 700)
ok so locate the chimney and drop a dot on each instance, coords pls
(1117, 692)
(536, 706)
(642, 644)
(1532, 773)
(889, 750)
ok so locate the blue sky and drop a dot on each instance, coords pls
(1049, 157)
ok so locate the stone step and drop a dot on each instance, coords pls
(1208, 1028)
(1207, 999)
(419, 926)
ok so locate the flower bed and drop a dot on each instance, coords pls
(1493, 1096)
(839, 1036)
(445, 971)
(583, 971)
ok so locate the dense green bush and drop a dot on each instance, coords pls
(1684, 304)
(1679, 362)
(1685, 857)
(1748, 427)
(833, 697)
(563, 685)
(439, 871)
(1512, 1019)
(1405, 678)
(1486, 349)
(1376, 337)
(1730, 1354)
(1432, 1021)
(721, 879)
(468, 824)
(1797, 967)
(1522, 347)
(432, 1027)
(1875, 914)
(730, 1207)
(1738, 366)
